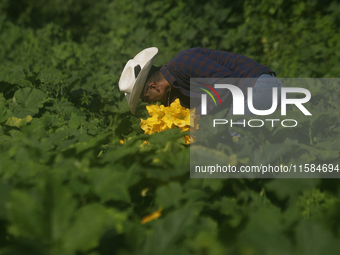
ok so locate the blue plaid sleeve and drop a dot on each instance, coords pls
(207, 63)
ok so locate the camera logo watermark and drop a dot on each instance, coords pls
(239, 100)
(264, 128)
(239, 103)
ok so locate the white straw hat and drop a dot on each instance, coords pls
(134, 76)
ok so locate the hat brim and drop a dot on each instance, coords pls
(133, 98)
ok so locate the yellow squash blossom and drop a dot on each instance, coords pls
(173, 116)
(152, 216)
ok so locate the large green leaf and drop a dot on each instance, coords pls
(4, 197)
(45, 215)
(25, 216)
(111, 183)
(169, 195)
(90, 223)
(264, 234)
(284, 188)
(167, 231)
(313, 239)
(27, 101)
(5, 113)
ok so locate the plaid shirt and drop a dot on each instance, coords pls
(207, 63)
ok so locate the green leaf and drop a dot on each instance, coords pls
(313, 152)
(168, 230)
(24, 216)
(111, 184)
(5, 113)
(268, 154)
(88, 227)
(16, 76)
(45, 215)
(264, 234)
(58, 207)
(291, 187)
(169, 195)
(50, 76)
(206, 241)
(314, 239)
(76, 121)
(4, 197)
(27, 101)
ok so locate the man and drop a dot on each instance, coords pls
(140, 79)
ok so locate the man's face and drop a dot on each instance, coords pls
(156, 92)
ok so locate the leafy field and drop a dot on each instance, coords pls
(70, 185)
